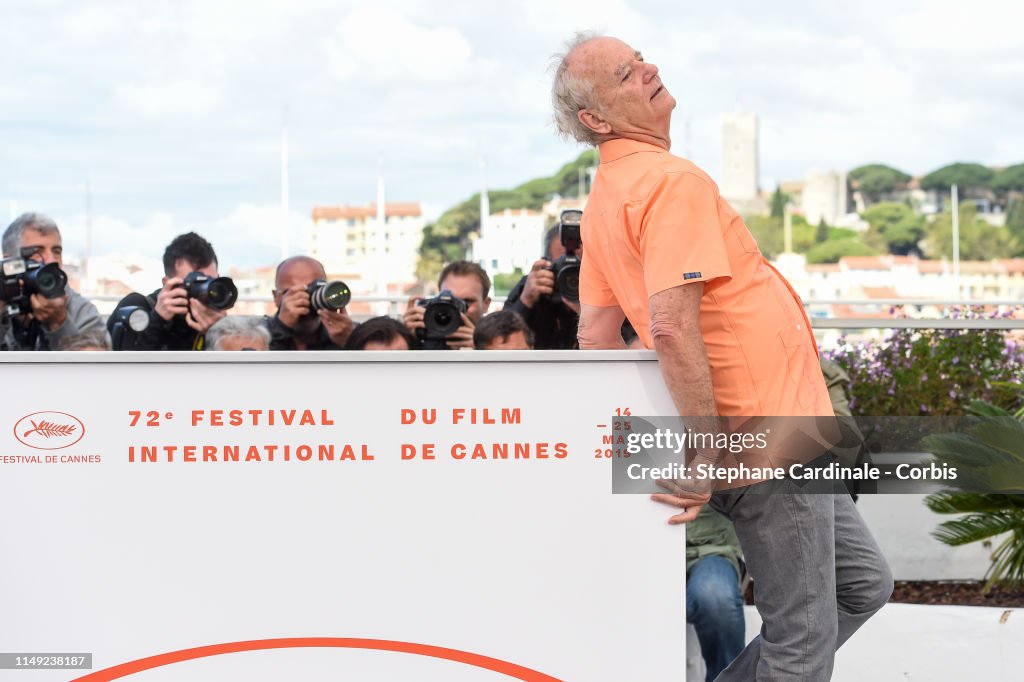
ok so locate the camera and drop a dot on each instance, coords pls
(22, 277)
(443, 315)
(130, 319)
(567, 268)
(217, 293)
(324, 295)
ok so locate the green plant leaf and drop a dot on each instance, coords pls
(975, 527)
(983, 409)
(963, 503)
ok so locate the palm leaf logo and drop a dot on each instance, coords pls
(50, 430)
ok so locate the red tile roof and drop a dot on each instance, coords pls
(406, 209)
(863, 263)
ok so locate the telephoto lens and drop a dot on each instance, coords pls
(48, 280)
(218, 293)
(324, 295)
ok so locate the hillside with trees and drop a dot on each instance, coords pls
(447, 239)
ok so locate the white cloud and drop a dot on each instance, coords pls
(376, 45)
(171, 100)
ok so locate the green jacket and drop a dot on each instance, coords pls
(712, 534)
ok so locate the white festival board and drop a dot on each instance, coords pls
(366, 568)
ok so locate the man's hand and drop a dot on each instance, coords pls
(688, 494)
(51, 312)
(413, 316)
(338, 324)
(294, 306)
(202, 318)
(463, 336)
(172, 299)
(540, 282)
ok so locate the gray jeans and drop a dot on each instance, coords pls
(818, 576)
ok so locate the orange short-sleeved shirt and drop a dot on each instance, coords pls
(655, 221)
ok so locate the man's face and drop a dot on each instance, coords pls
(470, 290)
(514, 341)
(632, 99)
(297, 274)
(46, 248)
(183, 268)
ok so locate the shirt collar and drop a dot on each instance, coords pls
(612, 150)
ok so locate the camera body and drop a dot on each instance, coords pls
(216, 293)
(324, 295)
(441, 317)
(22, 277)
(567, 267)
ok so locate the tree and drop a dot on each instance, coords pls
(767, 232)
(804, 234)
(1015, 223)
(503, 283)
(876, 179)
(964, 175)
(779, 201)
(832, 250)
(448, 238)
(1009, 179)
(978, 239)
(821, 234)
(894, 228)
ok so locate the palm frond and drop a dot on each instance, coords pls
(965, 503)
(975, 527)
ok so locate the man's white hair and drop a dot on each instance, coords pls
(571, 93)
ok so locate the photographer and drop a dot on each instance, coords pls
(553, 319)
(468, 287)
(193, 297)
(503, 330)
(381, 333)
(302, 323)
(35, 237)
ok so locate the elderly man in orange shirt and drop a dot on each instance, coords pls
(665, 250)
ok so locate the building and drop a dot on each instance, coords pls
(351, 240)
(886, 277)
(825, 197)
(509, 240)
(740, 169)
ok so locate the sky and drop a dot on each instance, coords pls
(172, 113)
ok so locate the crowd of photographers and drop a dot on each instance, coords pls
(190, 309)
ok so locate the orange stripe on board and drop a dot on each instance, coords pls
(485, 662)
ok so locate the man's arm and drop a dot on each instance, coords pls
(683, 359)
(600, 327)
(675, 330)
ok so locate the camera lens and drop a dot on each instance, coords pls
(441, 319)
(219, 293)
(333, 295)
(568, 282)
(48, 280)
